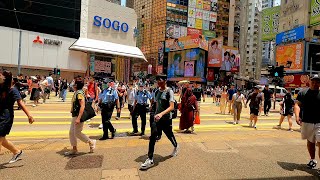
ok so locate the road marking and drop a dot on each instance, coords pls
(198, 128)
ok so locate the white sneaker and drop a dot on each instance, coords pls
(93, 146)
(15, 157)
(234, 123)
(250, 124)
(147, 164)
(238, 122)
(33, 105)
(100, 126)
(175, 151)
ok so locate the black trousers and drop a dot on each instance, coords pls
(140, 110)
(267, 106)
(164, 125)
(106, 114)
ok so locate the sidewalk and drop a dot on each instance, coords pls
(210, 155)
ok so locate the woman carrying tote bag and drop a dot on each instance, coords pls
(77, 110)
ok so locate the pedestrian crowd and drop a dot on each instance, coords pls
(143, 97)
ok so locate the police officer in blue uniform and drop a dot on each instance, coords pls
(108, 99)
(140, 108)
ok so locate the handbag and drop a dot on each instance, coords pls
(88, 112)
(197, 119)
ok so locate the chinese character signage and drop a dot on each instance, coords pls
(315, 12)
(201, 13)
(291, 35)
(291, 56)
(270, 23)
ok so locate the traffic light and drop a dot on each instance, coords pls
(279, 72)
(271, 70)
(55, 71)
(58, 72)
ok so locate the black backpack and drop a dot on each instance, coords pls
(174, 112)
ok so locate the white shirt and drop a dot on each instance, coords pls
(131, 96)
(237, 98)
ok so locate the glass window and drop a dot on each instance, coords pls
(52, 17)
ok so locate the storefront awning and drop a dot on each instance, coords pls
(91, 45)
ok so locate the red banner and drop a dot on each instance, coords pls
(296, 81)
(210, 77)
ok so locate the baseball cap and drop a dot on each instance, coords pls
(256, 87)
(315, 77)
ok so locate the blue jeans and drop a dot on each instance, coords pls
(63, 94)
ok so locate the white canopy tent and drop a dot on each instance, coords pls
(92, 45)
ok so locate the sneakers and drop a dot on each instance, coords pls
(100, 126)
(93, 145)
(312, 164)
(250, 124)
(234, 123)
(175, 151)
(16, 157)
(147, 164)
(277, 127)
(117, 118)
(237, 122)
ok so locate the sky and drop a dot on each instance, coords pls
(277, 2)
(123, 2)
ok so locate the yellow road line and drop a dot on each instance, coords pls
(122, 130)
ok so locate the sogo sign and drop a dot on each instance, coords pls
(107, 23)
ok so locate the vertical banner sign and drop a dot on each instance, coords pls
(270, 23)
(315, 12)
(92, 57)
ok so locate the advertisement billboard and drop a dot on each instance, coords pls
(186, 42)
(192, 31)
(231, 59)
(315, 12)
(291, 56)
(178, 62)
(296, 81)
(192, 3)
(270, 23)
(215, 52)
(189, 67)
(291, 35)
(198, 24)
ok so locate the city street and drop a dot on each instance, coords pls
(217, 150)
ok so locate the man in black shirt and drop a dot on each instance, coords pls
(198, 92)
(309, 100)
(268, 94)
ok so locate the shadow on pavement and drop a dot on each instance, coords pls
(61, 153)
(285, 178)
(4, 165)
(300, 167)
(156, 159)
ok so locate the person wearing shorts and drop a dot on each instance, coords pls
(286, 110)
(309, 99)
(255, 99)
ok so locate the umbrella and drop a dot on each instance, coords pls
(184, 82)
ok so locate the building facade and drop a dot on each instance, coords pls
(251, 59)
(66, 38)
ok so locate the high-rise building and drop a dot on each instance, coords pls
(251, 58)
(167, 19)
(130, 3)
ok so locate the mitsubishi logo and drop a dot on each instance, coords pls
(38, 40)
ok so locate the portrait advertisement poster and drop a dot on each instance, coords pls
(170, 31)
(229, 61)
(189, 68)
(192, 12)
(205, 25)
(291, 56)
(177, 65)
(192, 3)
(206, 15)
(207, 5)
(210, 76)
(199, 13)
(198, 24)
(199, 4)
(213, 16)
(315, 12)
(191, 22)
(270, 23)
(215, 52)
(212, 26)
(214, 5)
(192, 31)
(186, 42)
